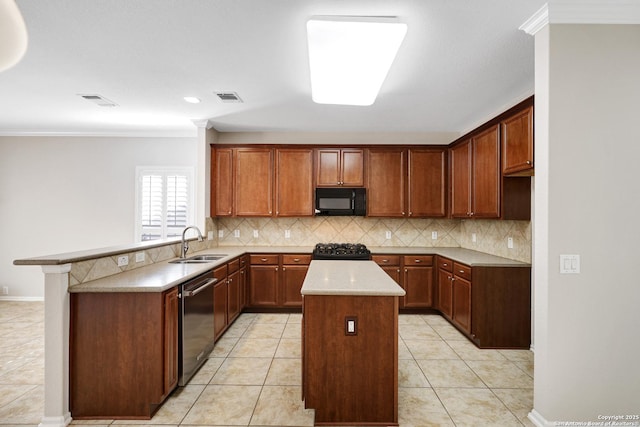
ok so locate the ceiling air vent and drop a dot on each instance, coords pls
(228, 97)
(99, 100)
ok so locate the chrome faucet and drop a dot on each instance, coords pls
(185, 244)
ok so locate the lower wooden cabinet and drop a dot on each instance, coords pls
(220, 301)
(414, 273)
(445, 286)
(275, 280)
(130, 370)
(461, 306)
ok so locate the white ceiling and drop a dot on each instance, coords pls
(462, 62)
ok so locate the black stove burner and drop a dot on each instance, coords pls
(343, 251)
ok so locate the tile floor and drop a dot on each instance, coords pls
(252, 378)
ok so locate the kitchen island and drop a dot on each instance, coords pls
(350, 343)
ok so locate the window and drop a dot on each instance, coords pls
(164, 199)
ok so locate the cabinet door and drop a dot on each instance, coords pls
(462, 303)
(445, 296)
(233, 296)
(352, 168)
(486, 174)
(222, 197)
(263, 282)
(461, 180)
(292, 278)
(220, 307)
(328, 167)
(427, 183)
(517, 142)
(386, 178)
(418, 284)
(242, 288)
(253, 183)
(170, 341)
(294, 182)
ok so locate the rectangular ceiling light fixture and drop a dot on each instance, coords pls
(350, 56)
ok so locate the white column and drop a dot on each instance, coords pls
(206, 137)
(56, 346)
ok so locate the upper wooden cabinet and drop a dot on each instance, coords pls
(386, 171)
(475, 176)
(427, 183)
(517, 143)
(222, 185)
(294, 182)
(339, 167)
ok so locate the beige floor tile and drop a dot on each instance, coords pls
(449, 373)
(285, 372)
(468, 351)
(420, 407)
(292, 330)
(224, 346)
(236, 330)
(242, 371)
(281, 406)
(527, 367)
(518, 355)
(207, 371)
(434, 319)
(418, 332)
(411, 319)
(174, 408)
(264, 330)
(403, 350)
(295, 318)
(13, 392)
(289, 347)
(9, 363)
(410, 374)
(31, 372)
(254, 348)
(226, 404)
(271, 318)
(421, 349)
(473, 407)
(500, 374)
(26, 409)
(519, 401)
(448, 332)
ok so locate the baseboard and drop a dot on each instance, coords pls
(537, 419)
(5, 298)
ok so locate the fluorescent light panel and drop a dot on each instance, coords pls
(350, 57)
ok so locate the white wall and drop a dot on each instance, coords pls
(63, 194)
(587, 202)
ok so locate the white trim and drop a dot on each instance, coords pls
(537, 419)
(61, 421)
(155, 133)
(537, 21)
(202, 123)
(22, 299)
(56, 269)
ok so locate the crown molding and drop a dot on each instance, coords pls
(110, 134)
(202, 123)
(584, 12)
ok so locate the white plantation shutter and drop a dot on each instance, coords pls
(164, 202)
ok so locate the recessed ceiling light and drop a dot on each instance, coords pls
(192, 99)
(349, 57)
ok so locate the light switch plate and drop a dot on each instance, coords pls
(236, 233)
(510, 242)
(220, 234)
(569, 264)
(287, 234)
(474, 238)
(255, 234)
(434, 235)
(139, 256)
(387, 235)
(210, 235)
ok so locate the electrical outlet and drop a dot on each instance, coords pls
(236, 233)
(5, 290)
(220, 234)
(255, 234)
(210, 235)
(139, 256)
(387, 235)
(123, 260)
(287, 234)
(510, 242)
(434, 235)
(474, 238)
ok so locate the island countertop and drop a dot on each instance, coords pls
(349, 278)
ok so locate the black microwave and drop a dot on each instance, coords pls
(341, 201)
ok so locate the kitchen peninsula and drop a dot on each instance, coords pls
(350, 343)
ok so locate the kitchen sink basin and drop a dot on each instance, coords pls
(198, 259)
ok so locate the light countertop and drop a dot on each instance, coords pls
(349, 278)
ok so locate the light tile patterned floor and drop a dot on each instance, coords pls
(252, 378)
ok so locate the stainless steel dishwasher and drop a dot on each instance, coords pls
(195, 322)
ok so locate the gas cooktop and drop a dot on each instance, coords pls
(344, 251)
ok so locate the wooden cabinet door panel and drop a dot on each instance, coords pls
(517, 142)
(445, 295)
(253, 182)
(292, 278)
(294, 182)
(223, 177)
(386, 183)
(220, 318)
(461, 180)
(486, 174)
(418, 284)
(427, 183)
(328, 167)
(170, 340)
(263, 282)
(352, 168)
(233, 296)
(462, 303)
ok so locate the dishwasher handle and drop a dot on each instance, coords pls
(201, 288)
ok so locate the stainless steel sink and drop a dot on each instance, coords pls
(196, 259)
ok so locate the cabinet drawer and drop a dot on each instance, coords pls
(234, 265)
(445, 264)
(418, 260)
(462, 270)
(386, 259)
(294, 259)
(220, 272)
(265, 259)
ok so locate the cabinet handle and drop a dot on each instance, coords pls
(385, 260)
(418, 260)
(528, 162)
(462, 271)
(276, 268)
(283, 268)
(230, 280)
(398, 270)
(471, 214)
(296, 260)
(263, 259)
(406, 271)
(445, 264)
